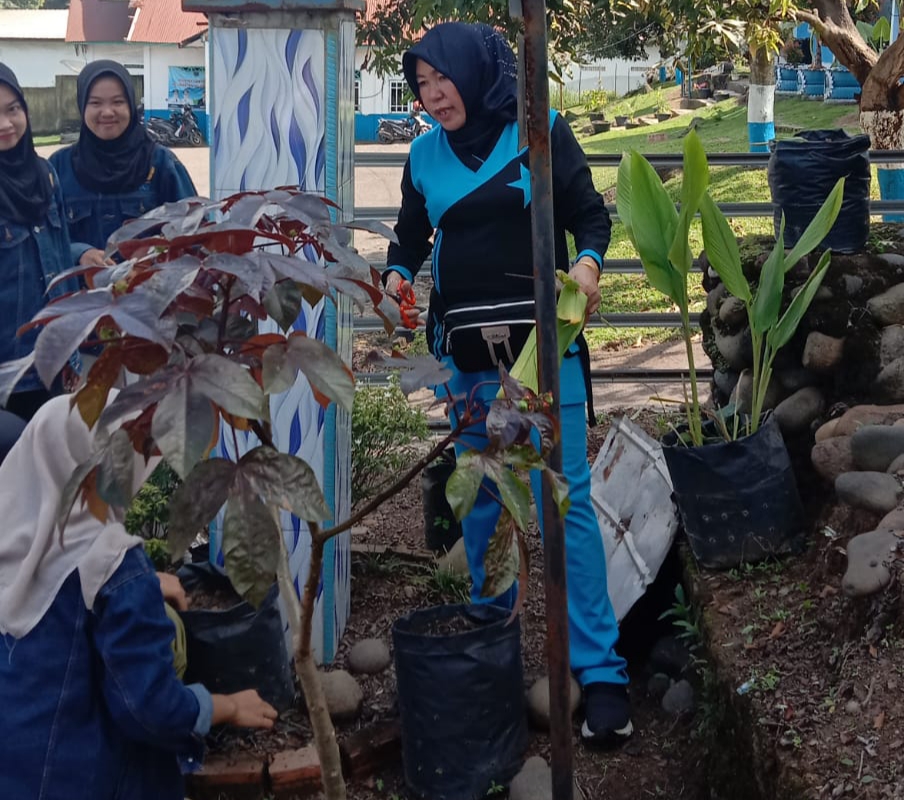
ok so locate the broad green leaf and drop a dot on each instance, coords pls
(624, 201)
(502, 558)
(250, 546)
(514, 492)
(560, 492)
(285, 481)
(780, 334)
(464, 483)
(693, 187)
(229, 385)
(283, 303)
(819, 226)
(722, 251)
(195, 503)
(768, 300)
(184, 426)
(73, 487)
(325, 370)
(116, 469)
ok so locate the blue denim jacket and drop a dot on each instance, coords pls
(92, 216)
(92, 708)
(30, 257)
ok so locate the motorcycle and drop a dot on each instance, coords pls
(180, 128)
(402, 130)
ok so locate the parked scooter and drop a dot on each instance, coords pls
(402, 130)
(180, 128)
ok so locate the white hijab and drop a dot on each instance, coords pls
(34, 563)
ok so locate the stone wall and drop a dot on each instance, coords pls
(848, 350)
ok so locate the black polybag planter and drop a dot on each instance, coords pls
(237, 648)
(441, 529)
(738, 501)
(804, 170)
(461, 702)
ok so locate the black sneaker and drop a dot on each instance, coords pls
(607, 712)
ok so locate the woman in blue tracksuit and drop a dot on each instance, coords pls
(467, 185)
(115, 171)
(34, 246)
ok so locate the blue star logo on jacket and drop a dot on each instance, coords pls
(523, 183)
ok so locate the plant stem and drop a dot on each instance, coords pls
(756, 402)
(314, 697)
(693, 413)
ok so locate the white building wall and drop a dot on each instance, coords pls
(158, 58)
(610, 74)
(37, 62)
(374, 91)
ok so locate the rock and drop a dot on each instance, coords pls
(878, 492)
(658, 685)
(369, 656)
(534, 782)
(852, 707)
(827, 430)
(744, 393)
(874, 447)
(888, 308)
(456, 560)
(344, 697)
(725, 381)
(794, 379)
(679, 699)
(795, 413)
(889, 384)
(822, 353)
(832, 457)
(733, 312)
(892, 521)
(669, 655)
(858, 416)
(852, 284)
(736, 349)
(538, 701)
(891, 344)
(867, 555)
(892, 259)
(896, 466)
(714, 299)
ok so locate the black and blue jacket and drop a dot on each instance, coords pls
(480, 221)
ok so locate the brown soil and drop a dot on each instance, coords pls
(798, 687)
(212, 599)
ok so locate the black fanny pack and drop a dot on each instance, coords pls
(481, 336)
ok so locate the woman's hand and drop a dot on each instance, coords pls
(587, 275)
(93, 258)
(243, 710)
(400, 290)
(173, 593)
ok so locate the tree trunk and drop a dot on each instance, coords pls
(761, 100)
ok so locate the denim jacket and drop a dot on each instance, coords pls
(92, 707)
(93, 216)
(30, 257)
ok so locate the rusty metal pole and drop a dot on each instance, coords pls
(536, 86)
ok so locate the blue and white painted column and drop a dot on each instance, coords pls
(760, 117)
(282, 114)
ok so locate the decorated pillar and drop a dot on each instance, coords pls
(281, 107)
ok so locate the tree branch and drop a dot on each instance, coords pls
(832, 21)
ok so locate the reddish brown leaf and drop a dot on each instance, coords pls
(879, 721)
(142, 357)
(778, 630)
(828, 591)
(92, 397)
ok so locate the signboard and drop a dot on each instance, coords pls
(186, 87)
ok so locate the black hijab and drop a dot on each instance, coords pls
(481, 64)
(25, 188)
(118, 165)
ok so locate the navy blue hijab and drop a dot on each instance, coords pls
(25, 187)
(481, 64)
(118, 165)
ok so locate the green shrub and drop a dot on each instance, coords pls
(385, 430)
(156, 550)
(148, 516)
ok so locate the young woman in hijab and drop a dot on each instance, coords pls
(115, 171)
(467, 185)
(34, 243)
(92, 706)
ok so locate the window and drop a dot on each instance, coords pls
(357, 95)
(398, 101)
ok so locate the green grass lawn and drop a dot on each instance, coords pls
(44, 140)
(723, 129)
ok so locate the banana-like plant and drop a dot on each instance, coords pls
(659, 232)
(769, 331)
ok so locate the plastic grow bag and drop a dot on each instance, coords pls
(237, 648)
(441, 529)
(461, 701)
(804, 170)
(737, 500)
